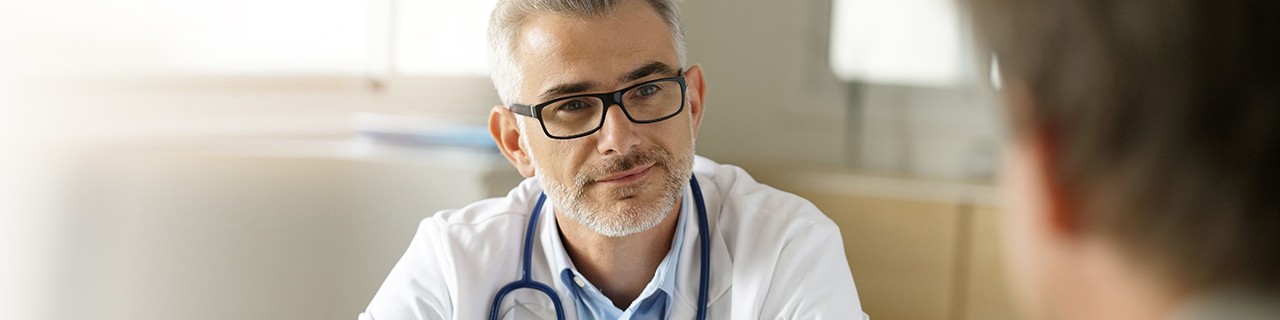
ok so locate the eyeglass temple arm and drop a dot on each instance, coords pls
(524, 110)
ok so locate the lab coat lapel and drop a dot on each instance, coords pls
(555, 258)
(688, 275)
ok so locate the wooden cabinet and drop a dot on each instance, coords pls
(917, 249)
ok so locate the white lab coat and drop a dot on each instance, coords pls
(773, 256)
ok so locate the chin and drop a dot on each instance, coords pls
(635, 197)
(622, 201)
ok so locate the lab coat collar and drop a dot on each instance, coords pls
(664, 278)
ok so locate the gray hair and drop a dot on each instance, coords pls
(509, 15)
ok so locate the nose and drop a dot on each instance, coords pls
(618, 134)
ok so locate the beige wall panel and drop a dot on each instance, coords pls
(987, 296)
(901, 253)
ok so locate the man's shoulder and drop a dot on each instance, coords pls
(771, 237)
(488, 215)
(745, 200)
(480, 212)
(447, 261)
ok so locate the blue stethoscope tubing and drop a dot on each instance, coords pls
(526, 282)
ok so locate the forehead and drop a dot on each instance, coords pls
(554, 49)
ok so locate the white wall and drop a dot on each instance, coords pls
(771, 95)
(773, 99)
(247, 228)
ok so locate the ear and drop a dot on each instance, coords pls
(697, 92)
(1041, 153)
(1060, 204)
(506, 133)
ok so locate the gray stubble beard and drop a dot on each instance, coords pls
(572, 200)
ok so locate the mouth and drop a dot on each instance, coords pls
(629, 176)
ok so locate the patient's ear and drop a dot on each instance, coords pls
(506, 133)
(1038, 153)
(1060, 204)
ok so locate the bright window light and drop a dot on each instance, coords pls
(903, 42)
(238, 37)
(441, 37)
(277, 36)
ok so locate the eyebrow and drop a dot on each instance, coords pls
(566, 89)
(648, 69)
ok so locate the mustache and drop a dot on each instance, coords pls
(657, 156)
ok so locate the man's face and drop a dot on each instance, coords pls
(626, 177)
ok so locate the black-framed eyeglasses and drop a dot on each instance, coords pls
(580, 115)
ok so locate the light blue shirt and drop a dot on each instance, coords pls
(654, 301)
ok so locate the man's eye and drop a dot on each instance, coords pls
(648, 90)
(572, 105)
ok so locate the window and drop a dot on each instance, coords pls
(903, 42)
(167, 67)
(916, 107)
(439, 37)
(247, 37)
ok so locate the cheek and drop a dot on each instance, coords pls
(1021, 233)
(559, 159)
(675, 134)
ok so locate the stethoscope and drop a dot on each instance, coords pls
(526, 282)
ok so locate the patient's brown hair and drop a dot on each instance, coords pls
(1165, 117)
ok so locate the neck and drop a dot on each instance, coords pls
(620, 267)
(1112, 286)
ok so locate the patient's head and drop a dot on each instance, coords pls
(1146, 139)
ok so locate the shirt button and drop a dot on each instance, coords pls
(578, 280)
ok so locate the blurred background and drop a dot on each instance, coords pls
(270, 159)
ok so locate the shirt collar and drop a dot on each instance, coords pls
(664, 279)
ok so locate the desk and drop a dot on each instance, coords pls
(251, 227)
